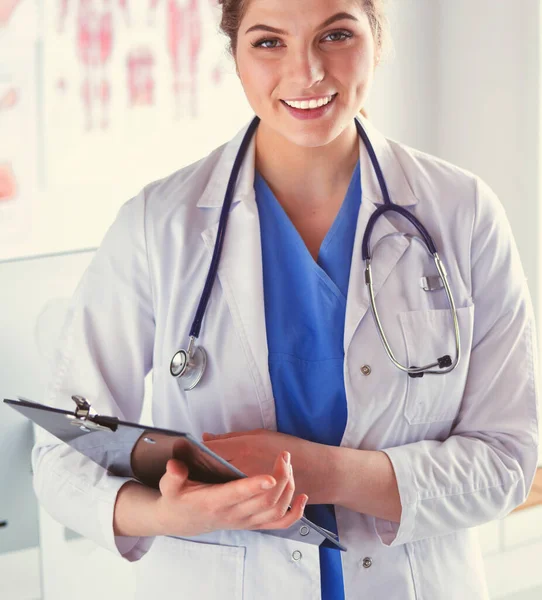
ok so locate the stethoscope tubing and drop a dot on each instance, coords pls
(221, 234)
(388, 205)
(426, 369)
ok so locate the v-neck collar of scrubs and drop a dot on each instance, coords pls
(329, 265)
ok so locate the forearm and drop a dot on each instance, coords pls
(360, 480)
(134, 511)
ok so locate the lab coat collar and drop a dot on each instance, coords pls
(398, 185)
(401, 193)
(214, 193)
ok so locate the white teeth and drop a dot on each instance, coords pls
(306, 104)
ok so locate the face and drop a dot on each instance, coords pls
(292, 50)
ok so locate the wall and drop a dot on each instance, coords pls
(463, 84)
(489, 107)
(404, 99)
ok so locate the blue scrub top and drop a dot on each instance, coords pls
(305, 306)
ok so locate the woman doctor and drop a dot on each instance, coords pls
(299, 391)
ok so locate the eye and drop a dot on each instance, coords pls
(271, 44)
(344, 35)
(260, 43)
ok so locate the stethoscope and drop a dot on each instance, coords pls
(189, 365)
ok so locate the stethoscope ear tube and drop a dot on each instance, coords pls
(365, 251)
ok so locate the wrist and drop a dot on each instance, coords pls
(333, 474)
(321, 470)
(136, 511)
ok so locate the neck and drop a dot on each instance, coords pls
(306, 176)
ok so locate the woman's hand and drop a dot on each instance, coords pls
(253, 452)
(188, 508)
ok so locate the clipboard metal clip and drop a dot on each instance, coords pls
(84, 416)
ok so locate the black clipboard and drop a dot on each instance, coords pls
(133, 450)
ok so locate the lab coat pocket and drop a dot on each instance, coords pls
(179, 568)
(428, 335)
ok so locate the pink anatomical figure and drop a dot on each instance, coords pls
(140, 64)
(8, 184)
(9, 99)
(184, 42)
(94, 38)
(6, 10)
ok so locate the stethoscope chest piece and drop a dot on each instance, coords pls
(189, 366)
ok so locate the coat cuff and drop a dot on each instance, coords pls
(130, 548)
(394, 534)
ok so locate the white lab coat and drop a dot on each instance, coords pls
(463, 445)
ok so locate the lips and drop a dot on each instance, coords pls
(332, 96)
(310, 113)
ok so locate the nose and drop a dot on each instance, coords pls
(305, 67)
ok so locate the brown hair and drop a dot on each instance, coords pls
(233, 12)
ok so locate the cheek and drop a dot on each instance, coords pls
(356, 73)
(358, 65)
(257, 79)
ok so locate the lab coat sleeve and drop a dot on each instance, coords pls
(104, 353)
(485, 468)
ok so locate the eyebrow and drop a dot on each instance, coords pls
(326, 23)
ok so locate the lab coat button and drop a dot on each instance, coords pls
(367, 562)
(296, 555)
(366, 370)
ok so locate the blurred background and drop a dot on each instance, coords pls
(100, 97)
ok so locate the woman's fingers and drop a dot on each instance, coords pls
(276, 509)
(283, 513)
(272, 508)
(260, 502)
(174, 479)
(242, 490)
(291, 516)
(282, 493)
(233, 493)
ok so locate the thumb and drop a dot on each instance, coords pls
(174, 479)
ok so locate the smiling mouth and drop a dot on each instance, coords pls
(305, 105)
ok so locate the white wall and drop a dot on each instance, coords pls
(489, 107)
(463, 83)
(404, 100)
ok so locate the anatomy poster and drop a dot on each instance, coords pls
(97, 99)
(135, 89)
(18, 118)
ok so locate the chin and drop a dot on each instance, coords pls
(313, 141)
(313, 135)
